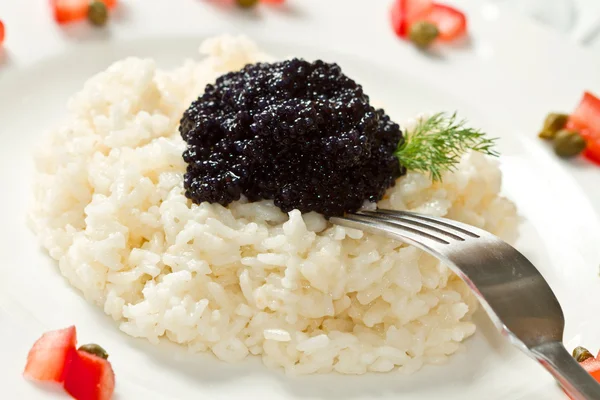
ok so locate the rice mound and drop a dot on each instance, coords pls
(307, 295)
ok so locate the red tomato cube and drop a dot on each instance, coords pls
(592, 365)
(89, 377)
(66, 11)
(592, 152)
(450, 22)
(586, 120)
(69, 10)
(49, 356)
(406, 12)
(587, 114)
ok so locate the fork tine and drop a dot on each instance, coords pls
(443, 222)
(376, 224)
(429, 228)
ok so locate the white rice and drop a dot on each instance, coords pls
(307, 295)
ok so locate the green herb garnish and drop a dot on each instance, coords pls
(436, 144)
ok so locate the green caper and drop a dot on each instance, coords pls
(423, 33)
(98, 13)
(581, 354)
(553, 123)
(246, 3)
(568, 143)
(94, 349)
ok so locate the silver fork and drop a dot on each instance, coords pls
(512, 291)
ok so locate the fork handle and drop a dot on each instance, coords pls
(578, 383)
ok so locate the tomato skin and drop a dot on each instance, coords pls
(2, 33)
(397, 19)
(587, 114)
(592, 152)
(50, 355)
(450, 22)
(406, 12)
(66, 11)
(592, 365)
(586, 120)
(89, 377)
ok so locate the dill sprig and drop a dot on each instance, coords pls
(437, 143)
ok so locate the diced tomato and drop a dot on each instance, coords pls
(450, 22)
(405, 12)
(586, 120)
(398, 20)
(69, 10)
(89, 377)
(592, 365)
(592, 152)
(110, 3)
(50, 355)
(587, 114)
(273, 1)
(66, 11)
(2, 32)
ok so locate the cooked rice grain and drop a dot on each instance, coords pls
(308, 296)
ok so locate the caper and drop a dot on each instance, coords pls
(568, 143)
(581, 354)
(98, 13)
(94, 349)
(246, 3)
(553, 123)
(423, 33)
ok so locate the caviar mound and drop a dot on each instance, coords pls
(300, 133)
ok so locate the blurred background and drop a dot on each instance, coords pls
(579, 19)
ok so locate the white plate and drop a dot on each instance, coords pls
(504, 80)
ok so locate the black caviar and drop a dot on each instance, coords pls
(300, 133)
